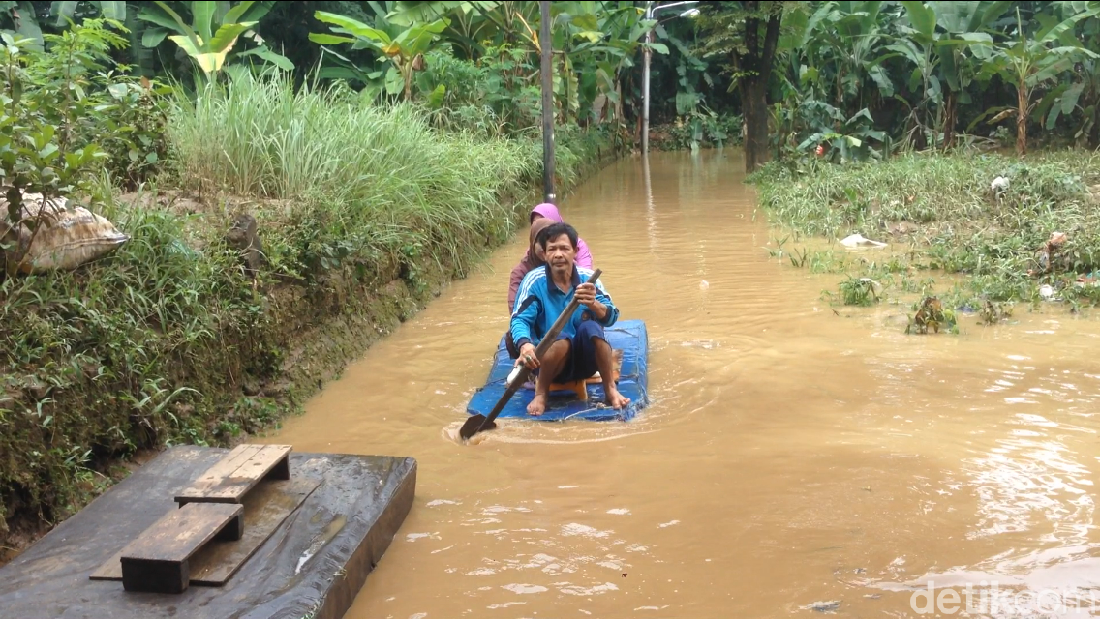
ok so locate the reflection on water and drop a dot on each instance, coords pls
(1027, 476)
(794, 460)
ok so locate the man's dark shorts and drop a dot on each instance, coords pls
(581, 362)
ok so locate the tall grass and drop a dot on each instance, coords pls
(374, 172)
(127, 352)
(834, 200)
(156, 343)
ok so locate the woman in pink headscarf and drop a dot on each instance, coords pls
(541, 216)
(549, 211)
(531, 260)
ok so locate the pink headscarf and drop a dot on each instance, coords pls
(549, 211)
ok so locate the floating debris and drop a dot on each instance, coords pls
(858, 241)
(823, 607)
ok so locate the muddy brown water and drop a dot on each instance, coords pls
(791, 456)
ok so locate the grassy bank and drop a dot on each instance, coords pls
(362, 212)
(940, 217)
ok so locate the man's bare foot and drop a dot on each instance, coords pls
(537, 406)
(616, 399)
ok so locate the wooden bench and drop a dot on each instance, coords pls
(159, 559)
(580, 387)
(237, 473)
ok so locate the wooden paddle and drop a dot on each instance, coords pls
(477, 423)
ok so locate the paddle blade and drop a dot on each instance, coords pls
(473, 426)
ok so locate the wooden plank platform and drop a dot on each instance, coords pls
(237, 473)
(158, 560)
(315, 562)
(265, 508)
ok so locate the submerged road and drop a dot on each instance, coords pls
(792, 459)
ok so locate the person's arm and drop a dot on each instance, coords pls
(603, 308)
(513, 286)
(522, 319)
(611, 313)
(584, 255)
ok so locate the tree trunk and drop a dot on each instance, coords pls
(1094, 133)
(950, 118)
(1021, 120)
(9, 259)
(619, 115)
(755, 107)
(757, 65)
(10, 229)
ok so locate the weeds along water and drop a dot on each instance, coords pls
(951, 234)
(354, 171)
(151, 345)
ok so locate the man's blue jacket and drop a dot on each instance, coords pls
(539, 303)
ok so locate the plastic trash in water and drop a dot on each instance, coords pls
(858, 241)
(823, 607)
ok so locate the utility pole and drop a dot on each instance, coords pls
(545, 70)
(646, 52)
(650, 10)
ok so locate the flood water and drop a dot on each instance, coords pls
(792, 455)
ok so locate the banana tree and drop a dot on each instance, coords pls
(471, 24)
(938, 37)
(142, 57)
(848, 139)
(213, 33)
(25, 19)
(405, 50)
(845, 43)
(19, 18)
(692, 73)
(625, 32)
(595, 42)
(1083, 93)
(67, 10)
(965, 25)
(1030, 62)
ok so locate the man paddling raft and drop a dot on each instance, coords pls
(581, 348)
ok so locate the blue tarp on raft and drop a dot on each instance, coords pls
(628, 336)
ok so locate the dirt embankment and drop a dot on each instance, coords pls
(281, 343)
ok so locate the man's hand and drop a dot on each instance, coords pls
(527, 356)
(586, 295)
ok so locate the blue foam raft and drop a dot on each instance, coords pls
(628, 336)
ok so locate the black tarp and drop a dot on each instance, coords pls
(311, 566)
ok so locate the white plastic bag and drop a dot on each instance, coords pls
(858, 241)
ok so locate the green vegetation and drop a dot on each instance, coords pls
(166, 340)
(364, 204)
(892, 120)
(378, 182)
(865, 80)
(940, 214)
